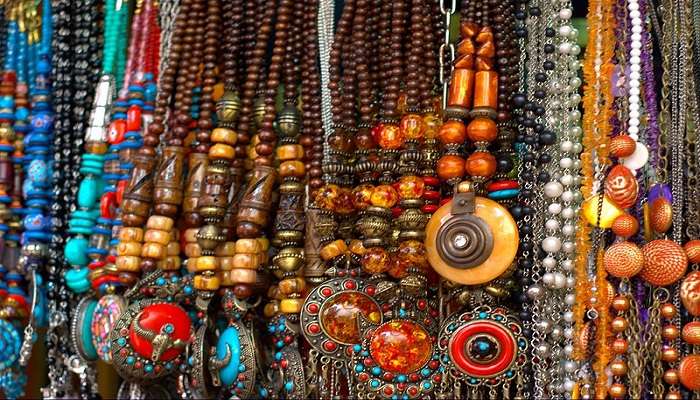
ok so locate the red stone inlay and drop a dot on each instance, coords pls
(458, 349)
(401, 346)
(153, 318)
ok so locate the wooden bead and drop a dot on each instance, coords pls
(130, 234)
(160, 222)
(224, 135)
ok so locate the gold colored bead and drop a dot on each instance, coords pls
(333, 249)
(193, 250)
(221, 151)
(264, 243)
(668, 310)
(250, 246)
(129, 234)
(173, 249)
(292, 285)
(289, 152)
(246, 261)
(160, 222)
(171, 263)
(669, 332)
(271, 309)
(619, 324)
(243, 276)
(129, 263)
(673, 395)
(671, 376)
(620, 303)
(618, 367)
(157, 236)
(617, 390)
(291, 306)
(191, 235)
(289, 259)
(207, 263)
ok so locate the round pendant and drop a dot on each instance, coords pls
(10, 343)
(149, 339)
(232, 363)
(332, 312)
(81, 329)
(471, 248)
(483, 346)
(106, 312)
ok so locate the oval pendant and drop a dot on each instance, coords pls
(106, 312)
(81, 329)
(232, 362)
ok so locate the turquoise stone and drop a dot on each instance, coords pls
(503, 194)
(86, 334)
(88, 192)
(229, 340)
(75, 251)
(77, 280)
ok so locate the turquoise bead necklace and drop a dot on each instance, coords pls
(84, 220)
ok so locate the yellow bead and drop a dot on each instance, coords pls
(206, 282)
(291, 306)
(128, 234)
(153, 250)
(157, 236)
(248, 246)
(160, 222)
(221, 151)
(264, 243)
(129, 249)
(243, 276)
(290, 152)
(292, 285)
(226, 249)
(171, 263)
(609, 211)
(193, 250)
(226, 263)
(224, 135)
(271, 309)
(173, 249)
(333, 249)
(191, 235)
(207, 263)
(129, 264)
(246, 261)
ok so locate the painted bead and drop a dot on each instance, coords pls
(621, 186)
(692, 250)
(690, 293)
(622, 146)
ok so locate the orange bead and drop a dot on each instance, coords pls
(412, 127)
(292, 168)
(620, 346)
(620, 303)
(390, 137)
(691, 333)
(671, 376)
(621, 186)
(411, 187)
(618, 367)
(486, 89)
(452, 132)
(344, 202)
(461, 88)
(450, 167)
(669, 354)
(481, 164)
(668, 310)
(384, 196)
(692, 250)
(622, 146)
(482, 130)
(376, 261)
(625, 226)
(290, 152)
(689, 372)
(432, 125)
(361, 196)
(669, 332)
(665, 262)
(623, 259)
(690, 293)
(673, 395)
(327, 196)
(661, 215)
(619, 324)
(617, 390)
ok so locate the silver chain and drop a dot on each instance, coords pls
(325, 40)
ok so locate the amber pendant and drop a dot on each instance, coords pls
(484, 346)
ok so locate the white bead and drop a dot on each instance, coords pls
(634, 84)
(565, 30)
(568, 213)
(634, 14)
(635, 68)
(575, 50)
(552, 224)
(566, 179)
(638, 159)
(634, 91)
(634, 98)
(575, 82)
(636, 29)
(566, 146)
(549, 262)
(568, 230)
(568, 247)
(551, 244)
(634, 122)
(636, 21)
(636, 37)
(569, 386)
(635, 53)
(564, 47)
(632, 6)
(634, 114)
(570, 299)
(566, 162)
(554, 208)
(569, 332)
(634, 107)
(548, 278)
(634, 59)
(567, 196)
(634, 75)
(559, 280)
(633, 130)
(570, 281)
(567, 265)
(553, 189)
(568, 316)
(565, 13)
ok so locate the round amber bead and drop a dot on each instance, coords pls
(482, 130)
(450, 167)
(344, 202)
(376, 261)
(361, 196)
(292, 168)
(411, 187)
(481, 164)
(432, 125)
(384, 196)
(411, 254)
(326, 197)
(412, 127)
(391, 137)
(452, 132)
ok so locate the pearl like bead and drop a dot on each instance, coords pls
(551, 244)
(552, 224)
(553, 189)
(554, 208)
(565, 13)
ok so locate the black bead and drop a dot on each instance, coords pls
(526, 229)
(529, 122)
(548, 137)
(549, 48)
(526, 246)
(538, 128)
(548, 65)
(530, 139)
(505, 163)
(535, 11)
(516, 212)
(539, 111)
(540, 94)
(549, 32)
(540, 77)
(529, 210)
(529, 157)
(521, 33)
(519, 100)
(544, 159)
(543, 177)
(520, 14)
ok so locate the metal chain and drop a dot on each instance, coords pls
(654, 340)
(446, 53)
(325, 40)
(636, 353)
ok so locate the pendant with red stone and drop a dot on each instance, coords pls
(149, 339)
(399, 358)
(484, 346)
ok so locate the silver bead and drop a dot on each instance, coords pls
(534, 292)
